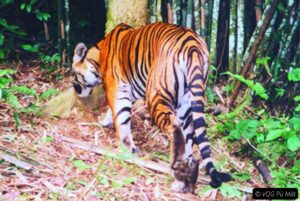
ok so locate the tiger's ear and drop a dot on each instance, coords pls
(79, 52)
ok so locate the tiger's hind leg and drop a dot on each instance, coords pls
(165, 118)
(184, 113)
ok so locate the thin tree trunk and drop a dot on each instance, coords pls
(214, 28)
(232, 36)
(258, 10)
(202, 17)
(177, 12)
(209, 11)
(222, 37)
(189, 14)
(197, 16)
(170, 13)
(254, 44)
(183, 12)
(67, 28)
(152, 11)
(240, 35)
(61, 31)
(158, 11)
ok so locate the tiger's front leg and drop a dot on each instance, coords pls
(121, 112)
(108, 118)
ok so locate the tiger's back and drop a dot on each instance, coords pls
(167, 65)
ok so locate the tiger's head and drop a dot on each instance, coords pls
(86, 69)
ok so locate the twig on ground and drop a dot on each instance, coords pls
(219, 95)
(253, 147)
(15, 161)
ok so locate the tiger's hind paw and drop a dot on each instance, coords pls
(178, 186)
(180, 170)
(218, 177)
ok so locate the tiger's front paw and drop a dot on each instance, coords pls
(107, 120)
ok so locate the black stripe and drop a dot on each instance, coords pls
(201, 138)
(187, 122)
(200, 122)
(188, 137)
(186, 114)
(126, 121)
(205, 152)
(124, 109)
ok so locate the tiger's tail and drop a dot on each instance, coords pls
(196, 78)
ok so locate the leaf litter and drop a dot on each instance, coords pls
(60, 171)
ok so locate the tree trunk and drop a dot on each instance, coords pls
(209, 12)
(176, 12)
(197, 16)
(253, 46)
(233, 36)
(222, 37)
(131, 12)
(240, 35)
(214, 28)
(67, 28)
(61, 32)
(189, 14)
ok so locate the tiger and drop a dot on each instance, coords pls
(167, 66)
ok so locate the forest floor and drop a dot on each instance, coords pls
(56, 170)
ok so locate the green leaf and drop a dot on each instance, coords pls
(294, 75)
(235, 134)
(257, 87)
(0, 93)
(23, 90)
(1, 39)
(295, 122)
(30, 48)
(17, 119)
(22, 6)
(247, 127)
(297, 109)
(42, 16)
(4, 81)
(3, 22)
(103, 180)
(81, 165)
(47, 94)
(28, 8)
(47, 139)
(297, 98)
(129, 180)
(7, 71)
(293, 143)
(274, 134)
(12, 100)
(230, 191)
(2, 54)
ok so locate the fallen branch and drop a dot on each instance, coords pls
(263, 170)
(15, 161)
(159, 167)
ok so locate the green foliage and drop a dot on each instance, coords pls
(229, 191)
(255, 86)
(81, 165)
(48, 93)
(294, 75)
(8, 93)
